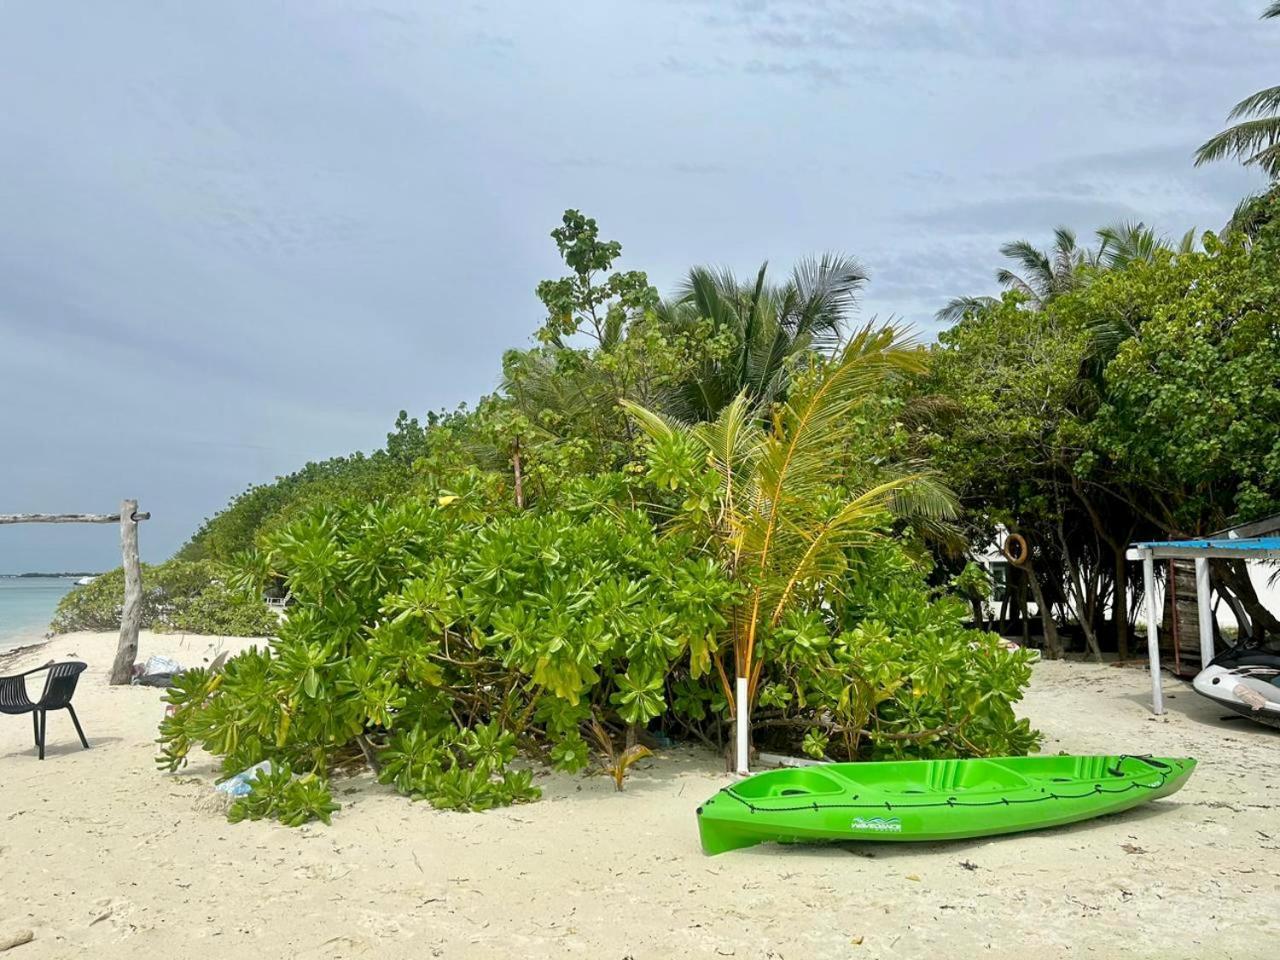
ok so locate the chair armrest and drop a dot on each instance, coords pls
(13, 692)
(27, 673)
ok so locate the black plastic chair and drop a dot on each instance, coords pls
(58, 689)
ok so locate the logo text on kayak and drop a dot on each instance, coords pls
(878, 824)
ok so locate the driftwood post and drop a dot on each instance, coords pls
(127, 650)
(131, 612)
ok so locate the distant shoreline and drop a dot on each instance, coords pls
(11, 655)
(48, 576)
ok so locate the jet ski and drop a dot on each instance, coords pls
(1246, 681)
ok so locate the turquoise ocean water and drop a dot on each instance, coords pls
(27, 605)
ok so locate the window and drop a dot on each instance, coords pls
(999, 581)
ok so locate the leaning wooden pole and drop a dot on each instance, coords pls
(131, 613)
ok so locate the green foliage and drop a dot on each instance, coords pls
(179, 595)
(445, 646)
(578, 301)
(781, 508)
(755, 335)
(278, 795)
(973, 582)
(457, 770)
(445, 640)
(531, 581)
(1192, 395)
(262, 508)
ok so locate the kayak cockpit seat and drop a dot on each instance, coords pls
(790, 782)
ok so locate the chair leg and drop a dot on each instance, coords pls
(76, 720)
(35, 727)
(44, 725)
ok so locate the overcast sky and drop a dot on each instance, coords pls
(237, 236)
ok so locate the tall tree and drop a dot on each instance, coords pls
(1255, 140)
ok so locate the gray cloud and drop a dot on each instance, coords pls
(236, 236)
(1014, 216)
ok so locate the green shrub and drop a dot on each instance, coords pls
(442, 647)
(186, 596)
(279, 795)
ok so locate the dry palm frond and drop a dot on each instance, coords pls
(616, 763)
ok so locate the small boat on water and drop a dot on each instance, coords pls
(1246, 681)
(931, 799)
(85, 581)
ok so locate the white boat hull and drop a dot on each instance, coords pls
(1247, 690)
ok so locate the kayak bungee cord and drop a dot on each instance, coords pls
(953, 801)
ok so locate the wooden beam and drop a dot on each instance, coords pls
(1191, 553)
(1256, 529)
(69, 517)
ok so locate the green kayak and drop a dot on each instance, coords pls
(930, 799)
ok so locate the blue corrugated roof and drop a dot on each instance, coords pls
(1224, 543)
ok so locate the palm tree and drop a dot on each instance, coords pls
(770, 327)
(1065, 266)
(784, 519)
(1132, 241)
(1255, 140)
(1045, 274)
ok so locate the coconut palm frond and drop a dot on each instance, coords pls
(924, 495)
(733, 442)
(656, 425)
(1271, 11)
(1251, 142)
(1269, 159)
(1260, 104)
(1037, 278)
(774, 328)
(1128, 242)
(960, 307)
(796, 470)
(709, 292)
(826, 294)
(820, 548)
(1011, 281)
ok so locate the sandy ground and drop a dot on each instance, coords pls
(103, 856)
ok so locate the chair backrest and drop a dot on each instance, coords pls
(61, 684)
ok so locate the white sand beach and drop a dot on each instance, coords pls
(102, 855)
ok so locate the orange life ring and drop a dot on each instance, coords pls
(1015, 549)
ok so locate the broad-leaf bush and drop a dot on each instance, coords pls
(441, 643)
(177, 596)
(442, 649)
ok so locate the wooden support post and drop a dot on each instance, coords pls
(1204, 610)
(1153, 631)
(131, 613)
